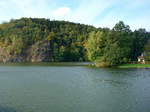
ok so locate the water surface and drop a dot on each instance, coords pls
(67, 88)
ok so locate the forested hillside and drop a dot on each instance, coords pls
(43, 40)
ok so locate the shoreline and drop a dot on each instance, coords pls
(134, 66)
(45, 64)
(91, 64)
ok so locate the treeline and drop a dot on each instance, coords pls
(117, 46)
(66, 41)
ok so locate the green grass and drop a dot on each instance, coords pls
(134, 66)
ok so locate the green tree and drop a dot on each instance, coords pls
(120, 26)
(95, 45)
(118, 48)
(147, 51)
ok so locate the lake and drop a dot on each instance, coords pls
(73, 88)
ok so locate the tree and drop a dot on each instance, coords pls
(118, 48)
(120, 26)
(147, 51)
(139, 39)
(95, 45)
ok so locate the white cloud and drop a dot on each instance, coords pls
(88, 10)
(26, 8)
(132, 13)
(100, 13)
(60, 12)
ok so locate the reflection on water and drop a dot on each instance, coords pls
(73, 89)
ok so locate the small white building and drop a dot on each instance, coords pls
(141, 59)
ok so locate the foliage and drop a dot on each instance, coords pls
(147, 51)
(116, 46)
(95, 45)
(66, 38)
(69, 41)
(134, 66)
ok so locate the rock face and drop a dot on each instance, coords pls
(6, 56)
(38, 52)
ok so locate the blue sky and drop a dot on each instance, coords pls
(100, 13)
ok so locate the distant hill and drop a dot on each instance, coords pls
(36, 40)
(43, 40)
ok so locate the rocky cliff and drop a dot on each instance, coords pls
(38, 52)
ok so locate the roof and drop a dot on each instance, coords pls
(141, 57)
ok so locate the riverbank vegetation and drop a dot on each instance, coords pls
(134, 66)
(43, 40)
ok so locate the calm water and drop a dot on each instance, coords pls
(73, 89)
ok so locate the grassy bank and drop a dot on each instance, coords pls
(134, 66)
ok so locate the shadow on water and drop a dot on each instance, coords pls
(46, 64)
(7, 109)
